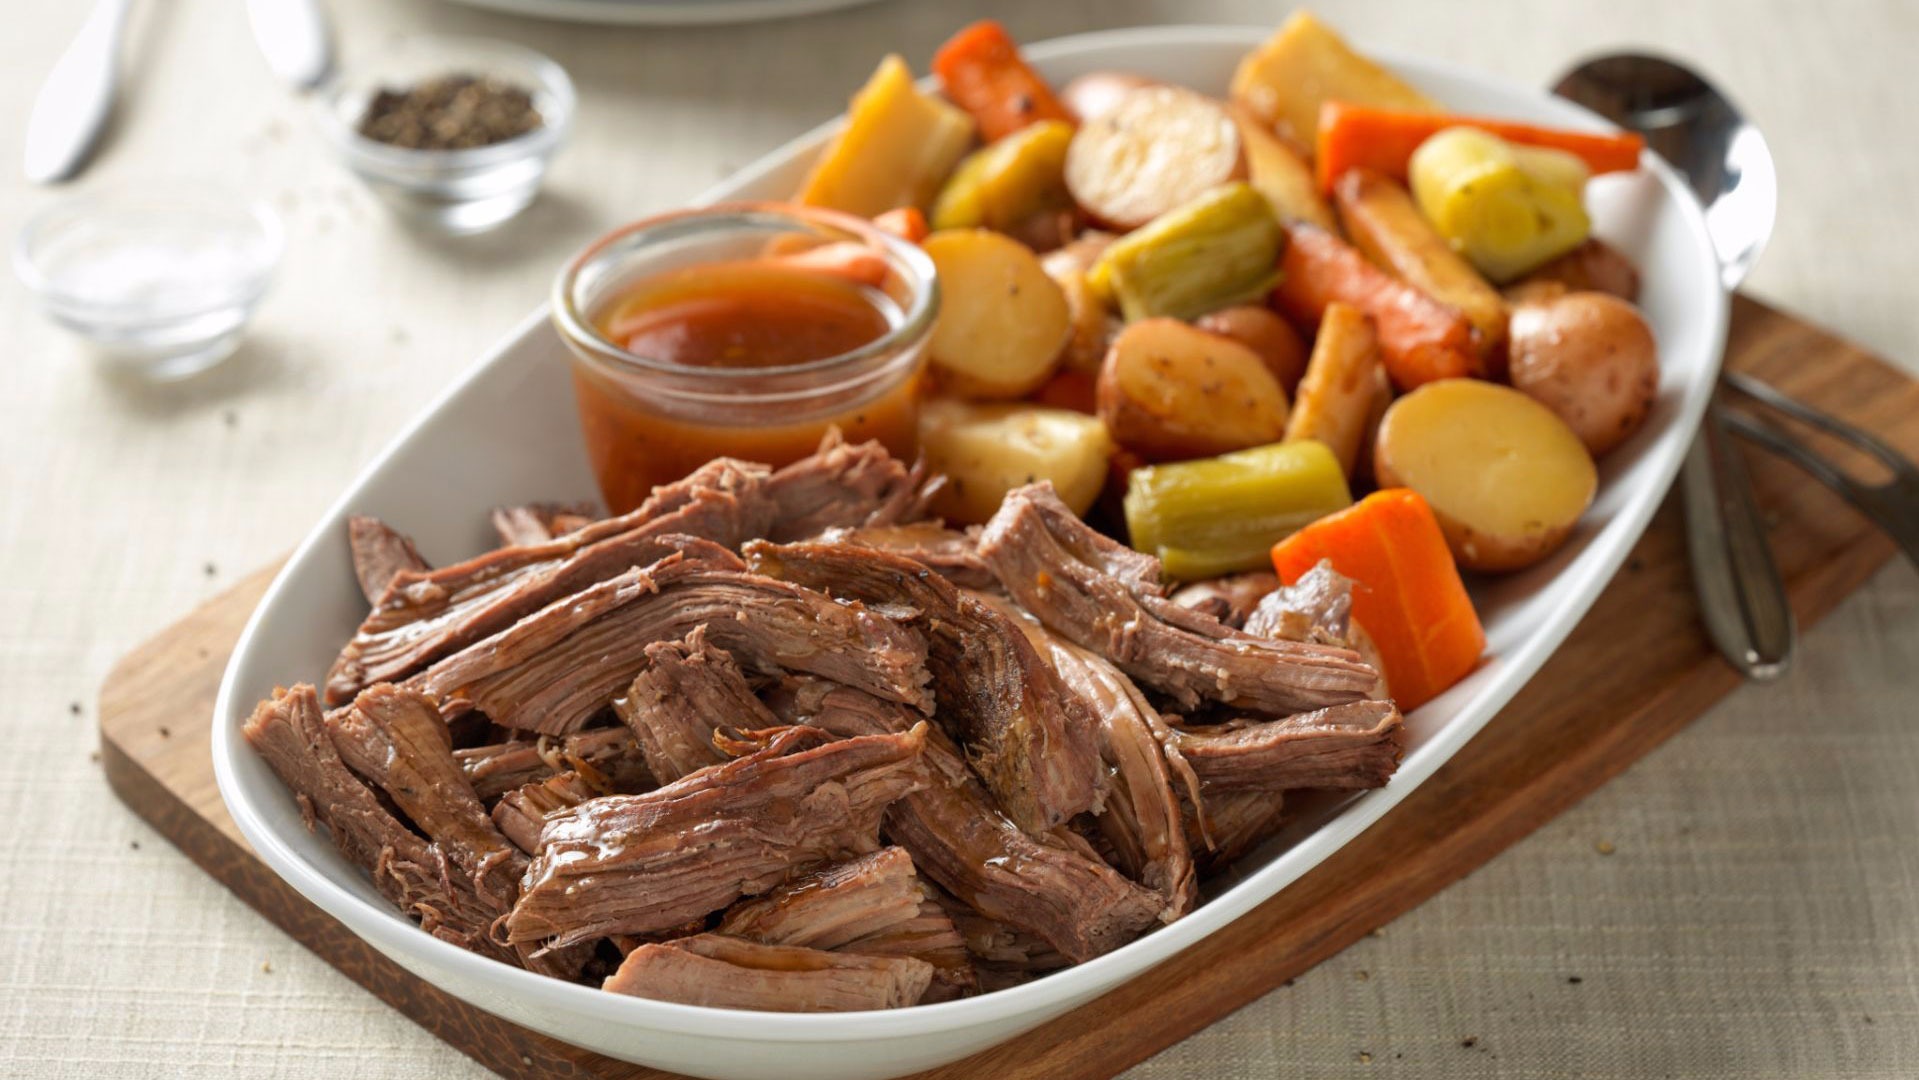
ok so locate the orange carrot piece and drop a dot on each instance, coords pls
(843, 259)
(1384, 139)
(1407, 593)
(906, 222)
(983, 74)
(1420, 339)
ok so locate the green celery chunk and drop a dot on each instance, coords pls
(1219, 250)
(1221, 515)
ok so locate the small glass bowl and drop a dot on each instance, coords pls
(160, 278)
(648, 421)
(453, 191)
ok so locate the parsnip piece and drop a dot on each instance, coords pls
(1002, 321)
(1506, 478)
(1386, 226)
(1157, 148)
(985, 451)
(1169, 391)
(1340, 382)
(1280, 173)
(1304, 65)
(897, 147)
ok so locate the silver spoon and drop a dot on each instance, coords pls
(1725, 160)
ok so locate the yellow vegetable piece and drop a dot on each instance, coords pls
(896, 148)
(1224, 514)
(1002, 321)
(1218, 250)
(1337, 393)
(1278, 172)
(1506, 478)
(1506, 214)
(985, 451)
(1003, 185)
(1306, 64)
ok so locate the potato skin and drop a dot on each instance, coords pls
(1169, 391)
(1094, 94)
(1263, 331)
(1594, 265)
(1505, 477)
(1591, 359)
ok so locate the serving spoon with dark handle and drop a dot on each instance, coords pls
(1726, 161)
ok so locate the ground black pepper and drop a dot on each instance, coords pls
(452, 112)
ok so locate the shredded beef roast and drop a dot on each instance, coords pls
(1342, 748)
(1140, 819)
(688, 690)
(289, 732)
(380, 553)
(554, 670)
(1029, 740)
(732, 973)
(832, 906)
(608, 755)
(959, 838)
(1056, 567)
(396, 740)
(636, 864)
(425, 616)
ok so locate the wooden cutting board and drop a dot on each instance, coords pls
(1635, 671)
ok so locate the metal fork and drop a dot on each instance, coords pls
(1893, 505)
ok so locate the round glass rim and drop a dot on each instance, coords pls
(553, 79)
(269, 233)
(906, 256)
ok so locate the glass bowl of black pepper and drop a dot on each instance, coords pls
(454, 133)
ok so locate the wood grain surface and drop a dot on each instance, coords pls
(1635, 671)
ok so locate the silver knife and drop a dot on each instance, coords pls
(294, 37)
(77, 97)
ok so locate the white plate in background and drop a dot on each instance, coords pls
(662, 12)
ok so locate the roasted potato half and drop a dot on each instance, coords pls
(1002, 320)
(1506, 478)
(1591, 359)
(1157, 148)
(1171, 391)
(985, 451)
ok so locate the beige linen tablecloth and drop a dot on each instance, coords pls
(1758, 915)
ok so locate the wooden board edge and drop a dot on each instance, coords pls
(496, 1043)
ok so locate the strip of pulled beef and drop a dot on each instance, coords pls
(636, 864)
(687, 691)
(423, 617)
(537, 523)
(396, 740)
(1030, 741)
(1341, 748)
(289, 733)
(521, 813)
(1058, 568)
(952, 554)
(732, 973)
(380, 554)
(959, 838)
(609, 755)
(553, 671)
(1230, 599)
(831, 906)
(1140, 819)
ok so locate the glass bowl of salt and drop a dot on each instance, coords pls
(161, 278)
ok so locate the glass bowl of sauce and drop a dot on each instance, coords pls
(742, 330)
